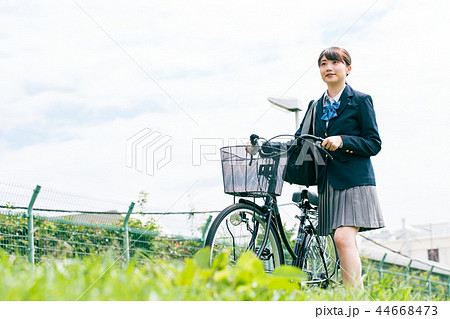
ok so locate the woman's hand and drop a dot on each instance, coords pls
(332, 143)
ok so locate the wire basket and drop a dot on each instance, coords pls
(251, 176)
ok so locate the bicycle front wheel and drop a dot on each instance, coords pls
(241, 227)
(319, 258)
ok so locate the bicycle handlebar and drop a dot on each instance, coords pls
(314, 140)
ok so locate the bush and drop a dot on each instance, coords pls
(67, 238)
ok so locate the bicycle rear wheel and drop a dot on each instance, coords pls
(241, 227)
(319, 258)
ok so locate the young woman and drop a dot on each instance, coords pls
(346, 184)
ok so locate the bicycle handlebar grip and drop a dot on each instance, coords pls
(253, 139)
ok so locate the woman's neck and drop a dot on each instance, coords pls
(333, 90)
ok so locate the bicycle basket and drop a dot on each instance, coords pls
(251, 176)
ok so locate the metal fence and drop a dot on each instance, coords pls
(40, 224)
(434, 281)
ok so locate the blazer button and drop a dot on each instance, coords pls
(326, 135)
(347, 151)
(351, 151)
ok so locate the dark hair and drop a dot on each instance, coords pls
(336, 53)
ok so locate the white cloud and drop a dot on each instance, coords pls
(219, 62)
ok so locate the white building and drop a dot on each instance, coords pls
(427, 244)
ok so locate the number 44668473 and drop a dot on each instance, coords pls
(407, 310)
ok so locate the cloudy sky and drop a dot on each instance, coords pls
(109, 98)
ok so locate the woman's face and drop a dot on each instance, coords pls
(333, 72)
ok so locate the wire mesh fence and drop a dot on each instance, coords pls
(433, 282)
(13, 233)
(41, 224)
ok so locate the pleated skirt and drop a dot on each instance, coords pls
(356, 206)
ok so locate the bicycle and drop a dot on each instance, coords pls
(245, 225)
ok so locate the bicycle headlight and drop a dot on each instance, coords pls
(235, 219)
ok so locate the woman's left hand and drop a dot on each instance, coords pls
(332, 143)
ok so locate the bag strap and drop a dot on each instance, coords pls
(310, 119)
(315, 150)
(313, 120)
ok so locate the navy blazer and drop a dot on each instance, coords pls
(356, 124)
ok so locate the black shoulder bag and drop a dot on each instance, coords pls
(301, 167)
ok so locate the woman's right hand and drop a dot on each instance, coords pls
(332, 143)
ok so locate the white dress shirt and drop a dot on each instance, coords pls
(332, 99)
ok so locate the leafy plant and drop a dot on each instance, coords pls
(101, 278)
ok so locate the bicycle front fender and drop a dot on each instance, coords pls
(248, 202)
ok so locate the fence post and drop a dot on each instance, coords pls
(429, 281)
(30, 225)
(380, 266)
(126, 240)
(408, 273)
(448, 287)
(205, 229)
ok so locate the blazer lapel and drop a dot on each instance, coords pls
(345, 98)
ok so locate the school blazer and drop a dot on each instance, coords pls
(356, 124)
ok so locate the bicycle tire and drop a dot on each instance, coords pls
(319, 267)
(231, 230)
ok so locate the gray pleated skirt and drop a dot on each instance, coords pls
(356, 206)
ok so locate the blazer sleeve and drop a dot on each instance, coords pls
(368, 142)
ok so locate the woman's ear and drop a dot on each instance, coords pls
(349, 69)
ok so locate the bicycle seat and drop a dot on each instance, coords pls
(312, 197)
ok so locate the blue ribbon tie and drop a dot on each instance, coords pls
(329, 110)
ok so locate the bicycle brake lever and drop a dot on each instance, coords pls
(253, 140)
(319, 145)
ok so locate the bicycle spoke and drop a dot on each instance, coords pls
(320, 258)
(234, 231)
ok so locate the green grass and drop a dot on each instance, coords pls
(99, 278)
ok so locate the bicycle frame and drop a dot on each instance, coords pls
(310, 230)
(272, 215)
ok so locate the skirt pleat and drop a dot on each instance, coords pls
(356, 206)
